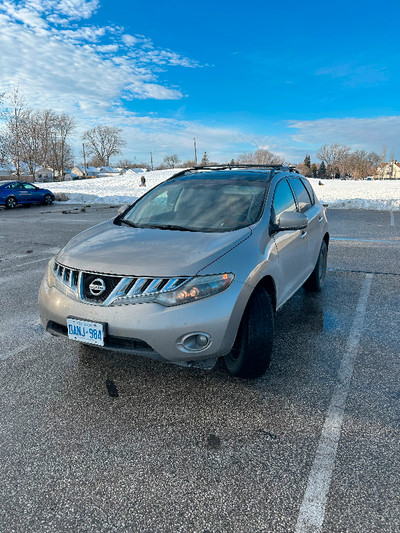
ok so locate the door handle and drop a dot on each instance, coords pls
(320, 219)
(303, 234)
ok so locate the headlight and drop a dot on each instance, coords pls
(50, 277)
(196, 289)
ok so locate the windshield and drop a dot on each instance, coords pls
(199, 204)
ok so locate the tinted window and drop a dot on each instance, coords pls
(283, 200)
(29, 187)
(303, 198)
(310, 190)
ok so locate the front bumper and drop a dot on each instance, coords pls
(151, 329)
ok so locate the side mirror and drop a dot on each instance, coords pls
(122, 209)
(292, 220)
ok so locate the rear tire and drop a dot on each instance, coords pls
(11, 202)
(251, 354)
(317, 278)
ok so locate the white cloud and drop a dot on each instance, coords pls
(79, 68)
(354, 76)
(71, 9)
(358, 133)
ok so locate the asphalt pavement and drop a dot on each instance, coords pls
(107, 442)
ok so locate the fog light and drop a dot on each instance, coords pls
(202, 340)
(194, 342)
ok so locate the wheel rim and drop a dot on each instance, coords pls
(47, 199)
(11, 203)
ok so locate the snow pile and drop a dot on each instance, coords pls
(117, 190)
(124, 189)
(383, 195)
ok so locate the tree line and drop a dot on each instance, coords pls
(33, 138)
(339, 161)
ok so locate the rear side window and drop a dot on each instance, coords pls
(310, 190)
(283, 200)
(303, 198)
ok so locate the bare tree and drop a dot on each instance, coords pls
(15, 113)
(364, 163)
(336, 157)
(104, 142)
(170, 161)
(260, 157)
(29, 141)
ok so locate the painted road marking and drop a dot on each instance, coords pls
(392, 222)
(15, 276)
(363, 240)
(312, 510)
(31, 262)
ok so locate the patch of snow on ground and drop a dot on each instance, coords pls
(124, 189)
(114, 189)
(382, 195)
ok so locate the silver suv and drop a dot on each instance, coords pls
(193, 270)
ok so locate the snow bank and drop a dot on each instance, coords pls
(116, 190)
(383, 195)
(124, 189)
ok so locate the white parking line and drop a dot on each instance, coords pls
(349, 239)
(392, 222)
(32, 262)
(10, 277)
(312, 510)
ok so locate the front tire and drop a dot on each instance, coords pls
(317, 278)
(48, 199)
(251, 354)
(11, 202)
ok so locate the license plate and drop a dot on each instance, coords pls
(89, 332)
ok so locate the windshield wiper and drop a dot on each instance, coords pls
(172, 227)
(128, 223)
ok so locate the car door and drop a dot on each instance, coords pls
(306, 204)
(31, 193)
(291, 244)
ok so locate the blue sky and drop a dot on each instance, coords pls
(288, 77)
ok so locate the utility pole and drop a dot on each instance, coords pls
(151, 160)
(195, 151)
(84, 158)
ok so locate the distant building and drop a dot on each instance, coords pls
(106, 171)
(388, 171)
(44, 174)
(6, 171)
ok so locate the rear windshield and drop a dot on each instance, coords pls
(200, 204)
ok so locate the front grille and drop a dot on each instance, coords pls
(88, 280)
(104, 289)
(67, 276)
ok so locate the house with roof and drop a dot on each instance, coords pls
(44, 174)
(107, 171)
(388, 171)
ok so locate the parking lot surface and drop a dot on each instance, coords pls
(107, 442)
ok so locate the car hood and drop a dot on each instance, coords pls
(127, 251)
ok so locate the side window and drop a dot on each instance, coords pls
(303, 198)
(29, 187)
(310, 190)
(283, 200)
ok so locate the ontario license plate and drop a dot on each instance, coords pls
(89, 332)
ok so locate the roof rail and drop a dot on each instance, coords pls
(273, 168)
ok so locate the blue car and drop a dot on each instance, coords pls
(14, 193)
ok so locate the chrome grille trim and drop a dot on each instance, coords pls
(67, 276)
(128, 290)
